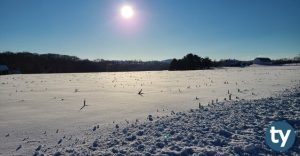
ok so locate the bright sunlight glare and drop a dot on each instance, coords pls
(127, 11)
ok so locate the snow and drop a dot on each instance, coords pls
(41, 113)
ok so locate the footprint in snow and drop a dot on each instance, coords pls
(19, 147)
(38, 148)
(60, 140)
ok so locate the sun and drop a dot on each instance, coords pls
(127, 12)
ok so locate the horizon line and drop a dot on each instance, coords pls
(143, 60)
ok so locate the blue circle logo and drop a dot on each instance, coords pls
(280, 136)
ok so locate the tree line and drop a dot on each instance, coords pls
(26, 62)
(286, 60)
(191, 62)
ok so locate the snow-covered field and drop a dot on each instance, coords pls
(42, 113)
(223, 128)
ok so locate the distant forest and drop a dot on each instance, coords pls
(191, 62)
(26, 62)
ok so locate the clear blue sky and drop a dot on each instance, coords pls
(159, 29)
